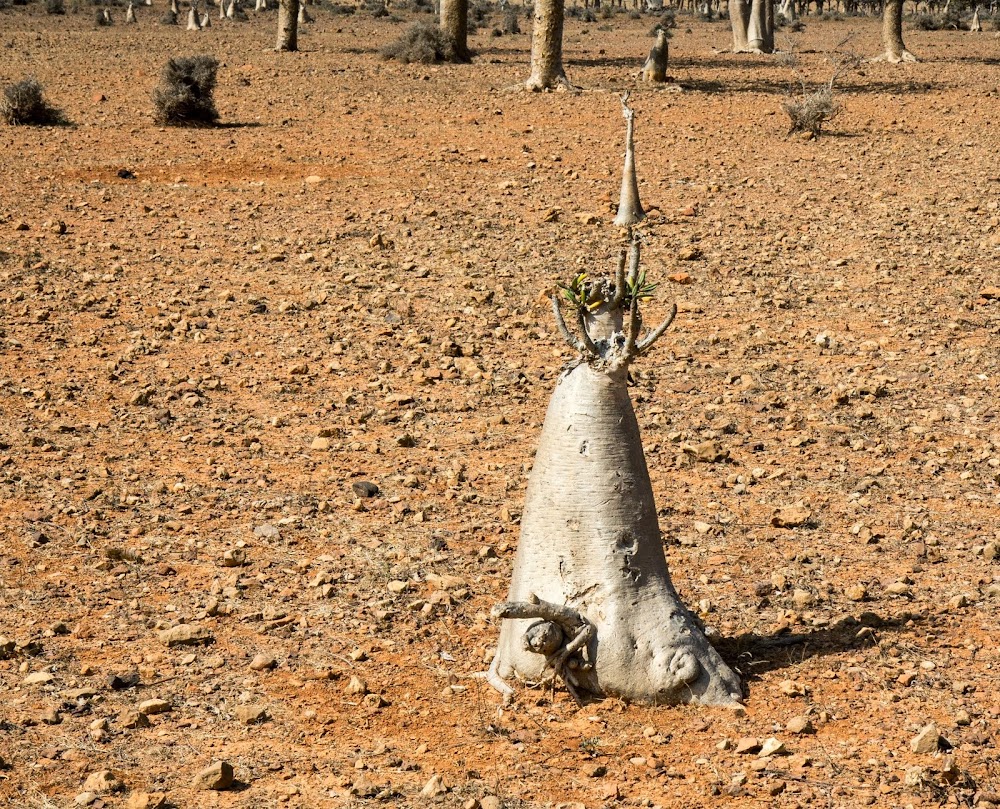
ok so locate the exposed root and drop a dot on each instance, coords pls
(567, 657)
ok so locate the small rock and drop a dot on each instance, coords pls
(490, 802)
(927, 740)
(397, 586)
(434, 787)
(314, 179)
(266, 531)
(963, 718)
(791, 688)
(772, 747)
(803, 599)
(235, 557)
(85, 798)
(914, 777)
(122, 682)
(154, 706)
(146, 800)
(791, 516)
(748, 744)
(51, 716)
(102, 781)
(251, 714)
(320, 443)
(800, 724)
(217, 776)
(130, 720)
(856, 592)
(185, 634)
(38, 678)
(356, 685)
(898, 588)
(263, 661)
(364, 489)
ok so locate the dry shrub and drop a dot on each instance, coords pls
(184, 95)
(423, 44)
(24, 103)
(810, 111)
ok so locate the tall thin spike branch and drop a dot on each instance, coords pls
(630, 210)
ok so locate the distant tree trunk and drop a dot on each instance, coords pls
(892, 34)
(455, 25)
(760, 34)
(546, 47)
(739, 17)
(288, 25)
(655, 68)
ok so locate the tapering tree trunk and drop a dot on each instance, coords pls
(546, 47)
(655, 67)
(892, 34)
(739, 18)
(288, 25)
(455, 26)
(590, 568)
(760, 32)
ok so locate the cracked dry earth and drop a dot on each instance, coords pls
(204, 378)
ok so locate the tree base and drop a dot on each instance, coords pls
(896, 58)
(538, 84)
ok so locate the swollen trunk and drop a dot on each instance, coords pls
(590, 540)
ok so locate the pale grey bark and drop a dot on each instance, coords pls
(760, 31)
(590, 540)
(739, 18)
(630, 210)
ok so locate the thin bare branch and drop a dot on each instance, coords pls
(573, 341)
(616, 301)
(633, 260)
(632, 330)
(582, 322)
(657, 333)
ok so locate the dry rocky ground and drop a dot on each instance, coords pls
(346, 284)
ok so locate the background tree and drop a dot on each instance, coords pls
(547, 71)
(455, 26)
(288, 25)
(892, 34)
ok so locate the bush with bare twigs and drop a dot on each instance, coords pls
(184, 95)
(24, 103)
(808, 110)
(421, 43)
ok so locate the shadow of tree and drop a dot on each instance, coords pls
(752, 654)
(763, 87)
